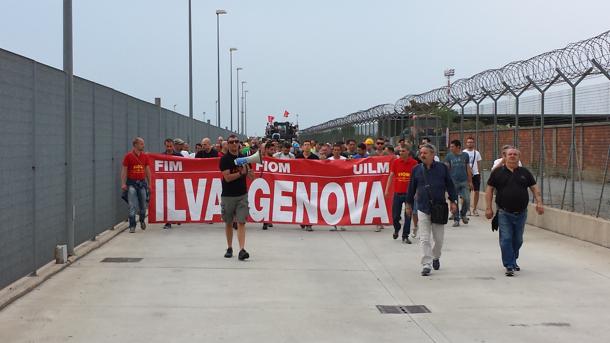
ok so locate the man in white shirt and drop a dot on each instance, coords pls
(337, 153)
(501, 161)
(285, 154)
(474, 157)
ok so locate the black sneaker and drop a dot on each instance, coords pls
(132, 229)
(509, 272)
(270, 225)
(308, 228)
(243, 254)
(425, 272)
(167, 226)
(406, 240)
(465, 219)
(265, 226)
(229, 253)
(436, 264)
(517, 268)
(143, 226)
(395, 235)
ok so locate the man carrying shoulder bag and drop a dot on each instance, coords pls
(430, 181)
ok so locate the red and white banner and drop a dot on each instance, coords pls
(342, 192)
(286, 113)
(270, 118)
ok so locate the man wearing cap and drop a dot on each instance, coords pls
(370, 146)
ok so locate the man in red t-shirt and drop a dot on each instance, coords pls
(135, 177)
(400, 170)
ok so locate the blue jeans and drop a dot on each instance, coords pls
(136, 197)
(511, 236)
(462, 190)
(397, 202)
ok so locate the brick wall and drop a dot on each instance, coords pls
(592, 141)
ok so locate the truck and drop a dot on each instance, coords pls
(282, 131)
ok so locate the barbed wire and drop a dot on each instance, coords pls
(569, 64)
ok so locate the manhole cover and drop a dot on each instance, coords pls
(402, 309)
(122, 259)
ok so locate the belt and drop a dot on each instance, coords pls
(512, 212)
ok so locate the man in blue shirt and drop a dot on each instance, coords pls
(438, 183)
(461, 175)
(360, 152)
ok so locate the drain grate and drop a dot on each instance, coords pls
(402, 309)
(121, 259)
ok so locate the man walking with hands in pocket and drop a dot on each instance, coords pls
(431, 180)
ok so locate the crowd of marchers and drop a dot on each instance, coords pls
(423, 190)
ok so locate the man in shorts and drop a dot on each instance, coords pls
(234, 197)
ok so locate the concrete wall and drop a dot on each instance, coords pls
(32, 158)
(572, 224)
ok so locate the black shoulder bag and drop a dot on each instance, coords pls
(439, 211)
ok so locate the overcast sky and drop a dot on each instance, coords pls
(320, 59)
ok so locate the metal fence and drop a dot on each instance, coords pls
(33, 160)
(564, 168)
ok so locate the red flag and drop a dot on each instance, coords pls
(286, 114)
(270, 119)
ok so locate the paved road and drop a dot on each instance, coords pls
(319, 287)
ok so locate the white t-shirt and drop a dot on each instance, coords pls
(281, 156)
(499, 161)
(473, 157)
(341, 157)
(186, 154)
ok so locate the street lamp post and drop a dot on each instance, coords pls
(245, 113)
(69, 122)
(218, 13)
(237, 102)
(231, 50)
(190, 76)
(243, 121)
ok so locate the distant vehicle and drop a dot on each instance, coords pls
(284, 131)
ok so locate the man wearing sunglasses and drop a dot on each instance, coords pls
(234, 197)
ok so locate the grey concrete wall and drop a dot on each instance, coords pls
(32, 158)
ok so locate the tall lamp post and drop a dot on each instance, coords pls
(218, 13)
(231, 50)
(448, 74)
(245, 113)
(243, 121)
(237, 102)
(190, 77)
(69, 133)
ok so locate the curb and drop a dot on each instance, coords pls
(26, 284)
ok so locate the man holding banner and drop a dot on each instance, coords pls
(234, 197)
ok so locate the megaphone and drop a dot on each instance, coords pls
(256, 158)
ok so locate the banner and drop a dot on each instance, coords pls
(342, 192)
(270, 118)
(286, 113)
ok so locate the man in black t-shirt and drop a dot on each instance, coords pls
(234, 197)
(206, 149)
(511, 183)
